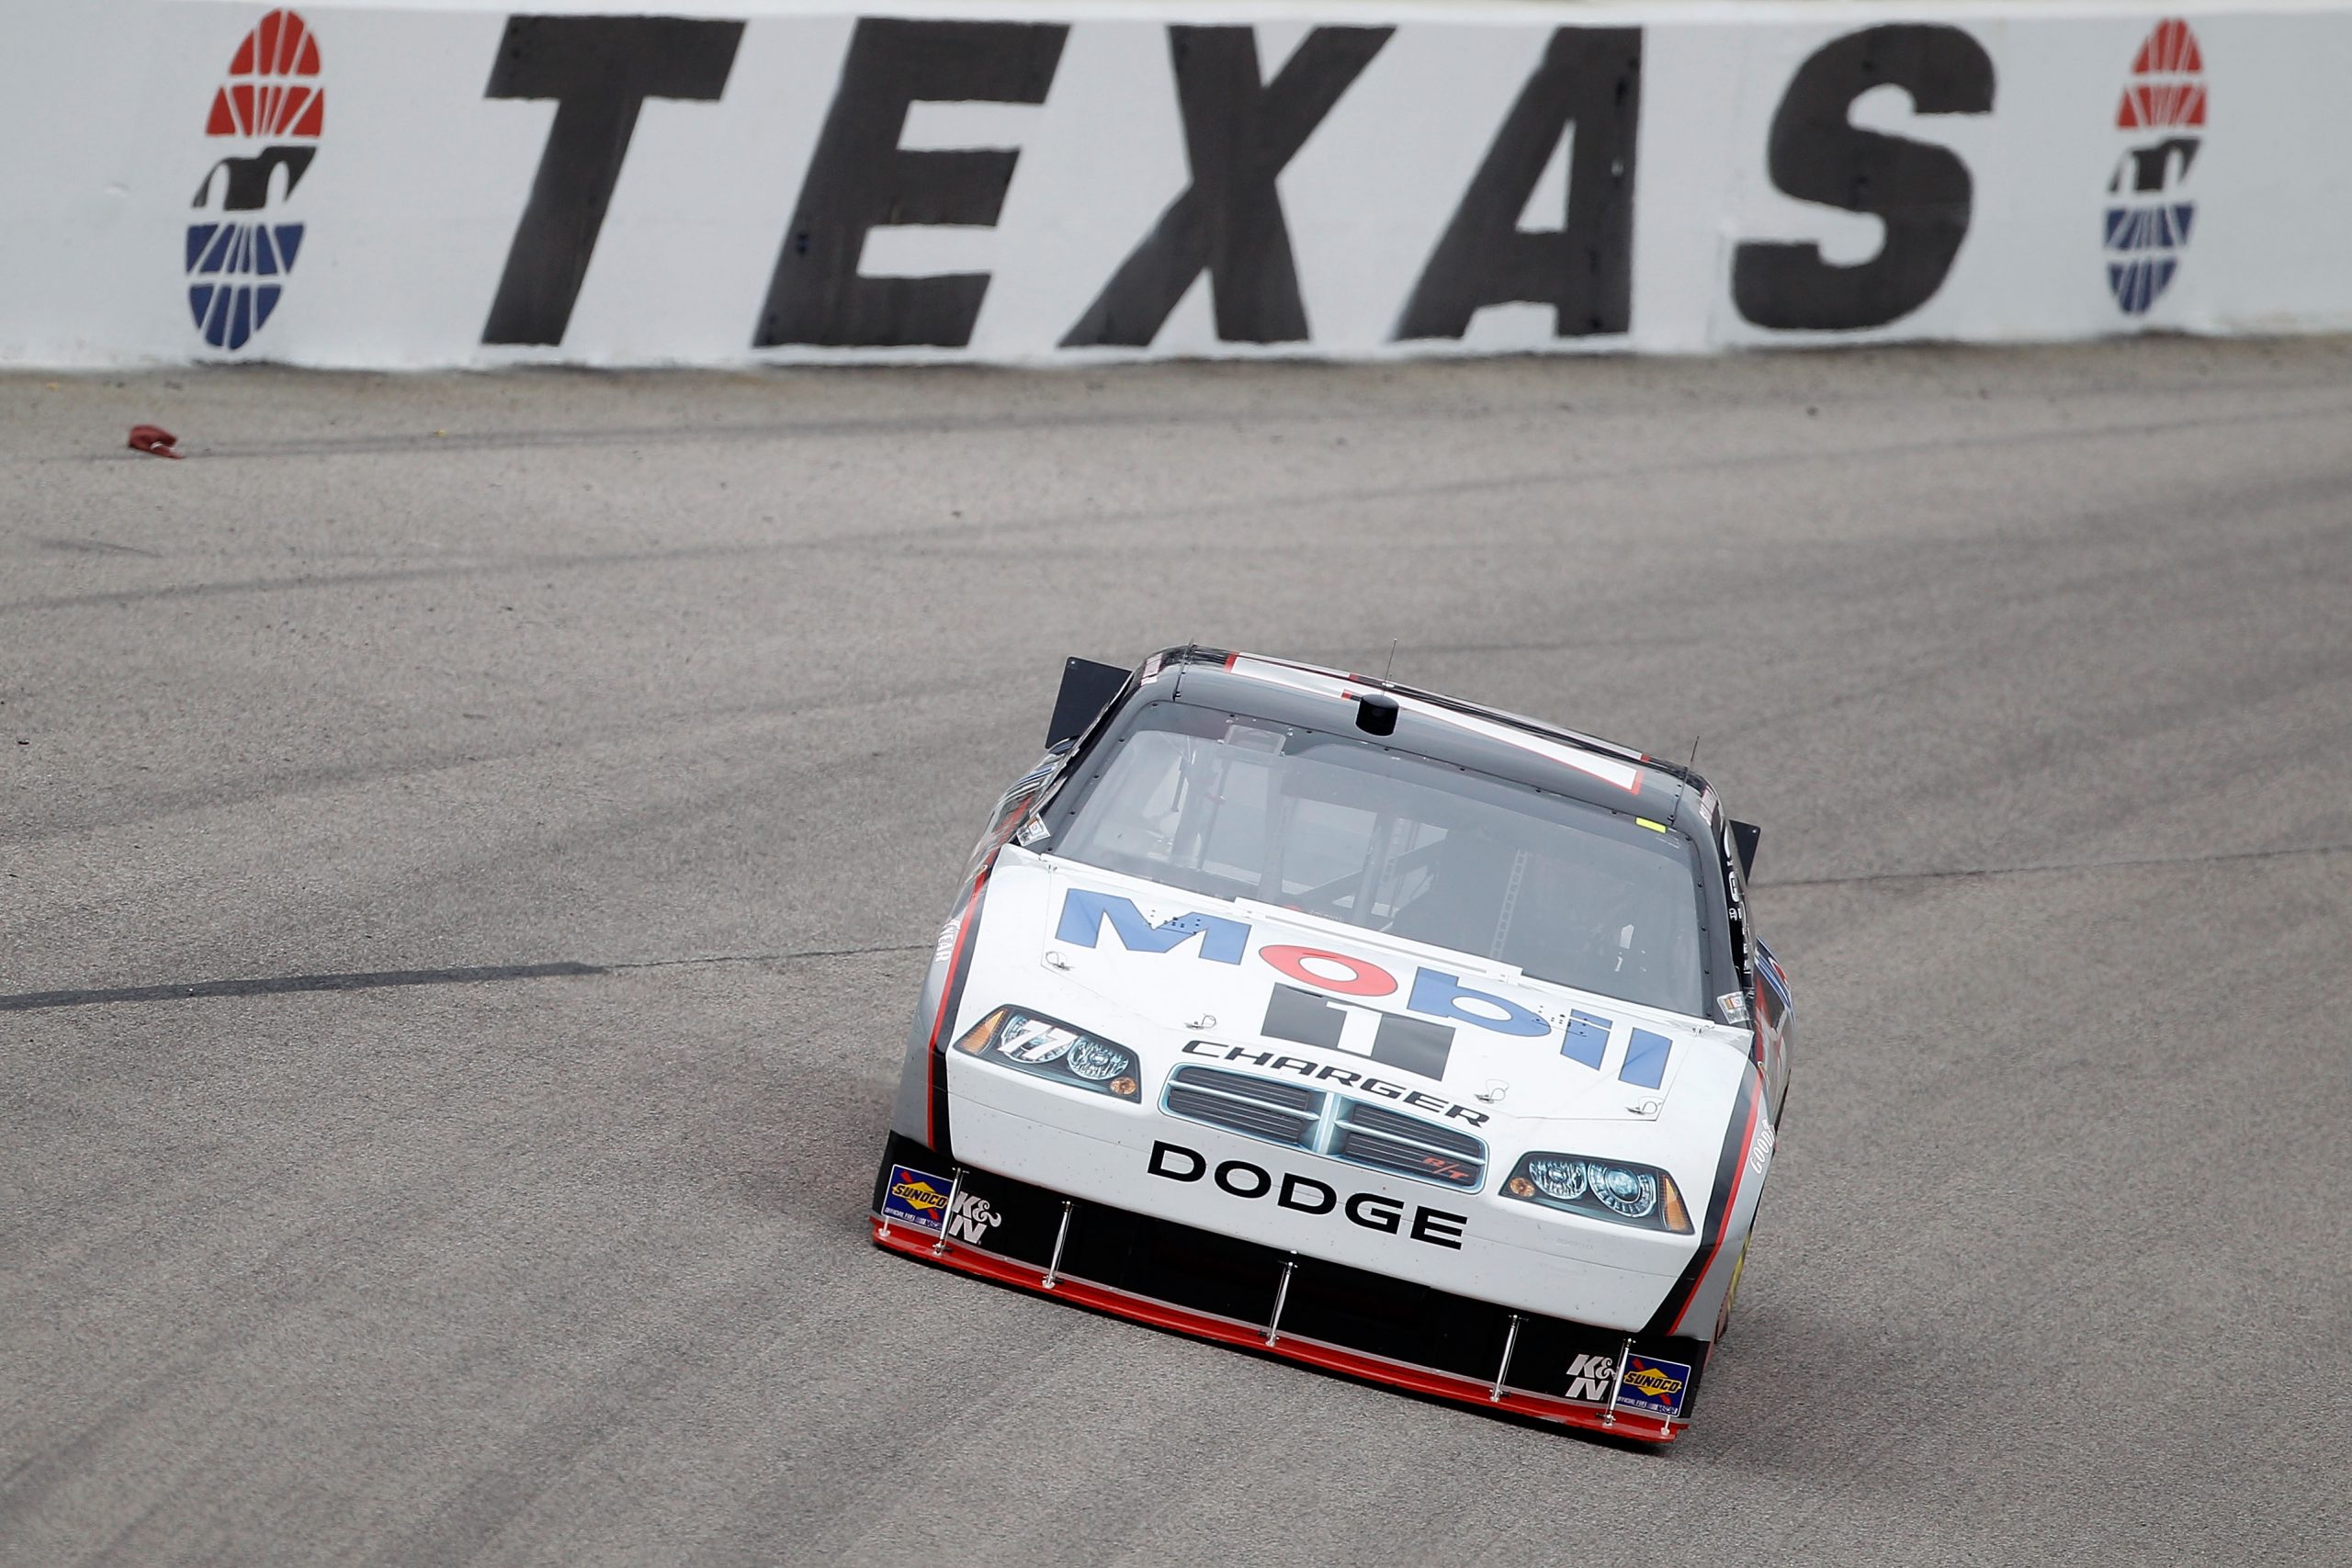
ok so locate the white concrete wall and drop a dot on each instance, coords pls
(412, 197)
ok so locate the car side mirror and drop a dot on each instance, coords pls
(1743, 836)
(1087, 689)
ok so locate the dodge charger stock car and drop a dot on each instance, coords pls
(1355, 1024)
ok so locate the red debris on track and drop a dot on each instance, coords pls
(155, 441)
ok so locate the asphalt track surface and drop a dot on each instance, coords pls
(637, 726)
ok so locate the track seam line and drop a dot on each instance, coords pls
(282, 985)
(2054, 867)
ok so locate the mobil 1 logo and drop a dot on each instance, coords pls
(1410, 1044)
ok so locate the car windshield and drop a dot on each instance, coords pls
(1239, 807)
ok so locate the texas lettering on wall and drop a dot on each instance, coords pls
(797, 182)
(1243, 124)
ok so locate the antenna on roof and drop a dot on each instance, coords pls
(1684, 782)
(1392, 660)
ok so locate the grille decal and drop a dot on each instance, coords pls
(1358, 1131)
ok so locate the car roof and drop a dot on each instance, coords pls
(1444, 728)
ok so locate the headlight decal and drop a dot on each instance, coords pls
(1618, 1190)
(1630, 1194)
(1096, 1062)
(1047, 1048)
(1560, 1178)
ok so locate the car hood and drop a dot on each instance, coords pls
(1180, 978)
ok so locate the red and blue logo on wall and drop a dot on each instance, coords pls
(2160, 124)
(270, 115)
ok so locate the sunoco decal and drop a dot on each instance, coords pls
(914, 1198)
(2160, 122)
(1654, 1386)
(267, 119)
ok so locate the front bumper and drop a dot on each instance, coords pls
(1310, 1310)
(1475, 1242)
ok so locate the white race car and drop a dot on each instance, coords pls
(1354, 1025)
